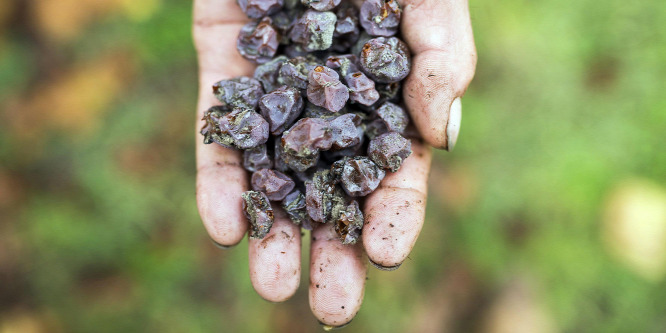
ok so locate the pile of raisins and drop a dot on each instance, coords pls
(327, 90)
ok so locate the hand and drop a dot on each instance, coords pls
(439, 34)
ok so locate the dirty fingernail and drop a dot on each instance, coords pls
(329, 328)
(453, 126)
(384, 268)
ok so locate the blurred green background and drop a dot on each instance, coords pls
(548, 217)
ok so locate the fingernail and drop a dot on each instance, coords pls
(453, 126)
(329, 328)
(384, 268)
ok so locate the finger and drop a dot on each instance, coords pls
(439, 34)
(275, 261)
(220, 177)
(337, 277)
(395, 211)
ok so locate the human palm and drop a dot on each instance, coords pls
(439, 35)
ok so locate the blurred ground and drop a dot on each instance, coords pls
(548, 217)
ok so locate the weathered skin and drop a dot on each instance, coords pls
(275, 260)
(337, 277)
(394, 212)
(221, 178)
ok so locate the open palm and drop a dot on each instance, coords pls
(439, 35)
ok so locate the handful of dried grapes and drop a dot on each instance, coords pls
(321, 121)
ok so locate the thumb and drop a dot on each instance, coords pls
(439, 33)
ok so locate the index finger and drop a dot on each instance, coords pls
(395, 211)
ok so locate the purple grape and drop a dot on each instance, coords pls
(302, 142)
(389, 92)
(349, 223)
(334, 155)
(278, 152)
(321, 5)
(294, 73)
(295, 51)
(385, 60)
(246, 128)
(259, 212)
(347, 29)
(352, 149)
(343, 64)
(292, 4)
(306, 135)
(328, 76)
(345, 131)
(211, 128)
(314, 111)
(389, 150)
(267, 73)
(275, 184)
(239, 92)
(375, 128)
(361, 89)
(306, 176)
(323, 198)
(281, 108)
(294, 205)
(394, 117)
(283, 21)
(314, 30)
(347, 20)
(259, 8)
(380, 17)
(388, 118)
(257, 158)
(326, 90)
(258, 41)
(360, 42)
(359, 176)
